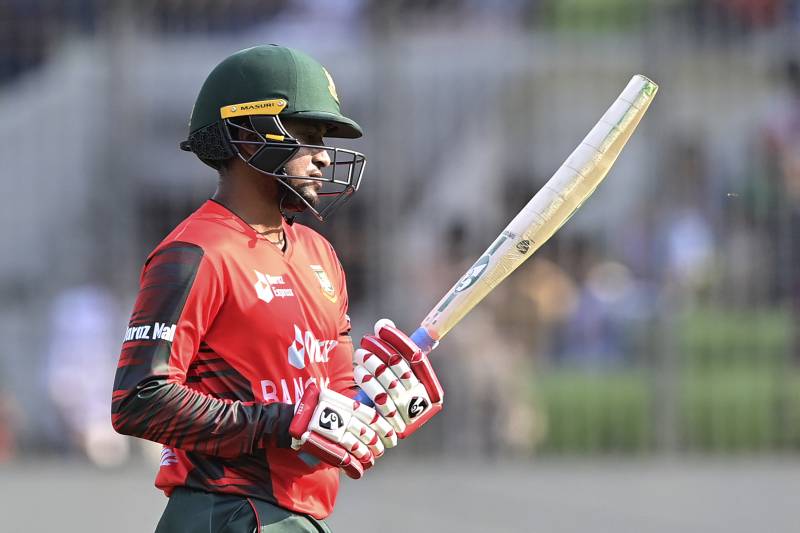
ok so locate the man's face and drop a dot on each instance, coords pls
(306, 162)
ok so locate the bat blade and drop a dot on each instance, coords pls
(545, 213)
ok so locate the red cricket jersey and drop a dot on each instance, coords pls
(225, 334)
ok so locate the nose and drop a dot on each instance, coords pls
(321, 158)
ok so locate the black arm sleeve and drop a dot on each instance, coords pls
(179, 295)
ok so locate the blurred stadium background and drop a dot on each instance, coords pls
(641, 373)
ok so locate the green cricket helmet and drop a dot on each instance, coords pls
(250, 91)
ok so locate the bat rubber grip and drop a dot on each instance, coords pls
(363, 398)
(422, 339)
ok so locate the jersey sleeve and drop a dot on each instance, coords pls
(179, 296)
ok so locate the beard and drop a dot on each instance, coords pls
(290, 199)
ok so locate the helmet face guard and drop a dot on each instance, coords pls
(239, 104)
(275, 147)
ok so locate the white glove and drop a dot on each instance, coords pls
(397, 376)
(339, 431)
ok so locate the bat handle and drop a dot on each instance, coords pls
(421, 338)
(363, 398)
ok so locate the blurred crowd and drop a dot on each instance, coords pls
(31, 29)
(702, 235)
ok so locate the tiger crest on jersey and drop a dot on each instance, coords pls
(324, 283)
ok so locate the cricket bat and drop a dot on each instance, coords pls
(545, 213)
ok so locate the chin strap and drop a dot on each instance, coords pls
(289, 218)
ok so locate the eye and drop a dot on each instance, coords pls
(312, 137)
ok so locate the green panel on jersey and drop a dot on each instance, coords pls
(273, 72)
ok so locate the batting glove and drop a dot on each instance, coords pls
(339, 431)
(397, 376)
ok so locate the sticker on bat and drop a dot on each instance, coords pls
(523, 246)
(473, 274)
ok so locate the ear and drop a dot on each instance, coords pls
(247, 150)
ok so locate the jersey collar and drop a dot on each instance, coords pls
(217, 210)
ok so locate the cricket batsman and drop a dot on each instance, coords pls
(237, 357)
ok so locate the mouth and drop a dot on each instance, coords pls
(313, 184)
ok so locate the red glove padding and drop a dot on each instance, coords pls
(339, 431)
(397, 376)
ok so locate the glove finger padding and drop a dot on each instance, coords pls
(383, 402)
(390, 357)
(327, 425)
(380, 370)
(417, 359)
(396, 373)
(353, 444)
(385, 431)
(331, 453)
(366, 436)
